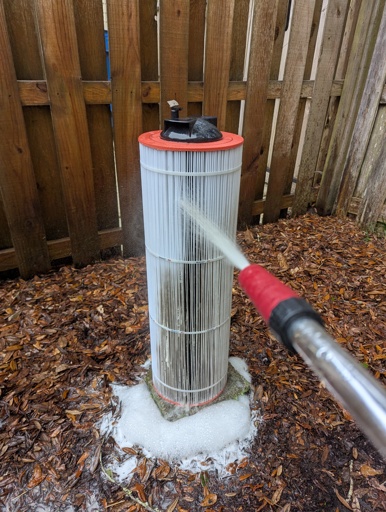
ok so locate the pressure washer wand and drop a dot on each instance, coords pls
(301, 330)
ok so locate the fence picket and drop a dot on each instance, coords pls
(331, 43)
(218, 58)
(293, 76)
(196, 49)
(149, 60)
(263, 33)
(300, 118)
(123, 25)
(174, 39)
(92, 56)
(18, 185)
(236, 72)
(57, 31)
(344, 52)
(372, 207)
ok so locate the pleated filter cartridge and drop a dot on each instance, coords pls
(189, 279)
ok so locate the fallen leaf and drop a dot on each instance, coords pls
(172, 505)
(342, 500)
(139, 489)
(369, 471)
(37, 477)
(209, 500)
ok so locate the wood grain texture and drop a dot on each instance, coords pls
(286, 121)
(218, 51)
(373, 207)
(263, 150)
(331, 43)
(92, 56)
(300, 118)
(28, 66)
(263, 33)
(61, 248)
(17, 180)
(123, 23)
(236, 72)
(174, 51)
(340, 73)
(98, 92)
(60, 52)
(367, 114)
(369, 19)
(196, 50)
(149, 60)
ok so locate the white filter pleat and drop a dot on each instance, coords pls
(189, 280)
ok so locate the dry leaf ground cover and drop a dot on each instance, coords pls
(65, 336)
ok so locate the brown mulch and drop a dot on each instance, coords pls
(65, 336)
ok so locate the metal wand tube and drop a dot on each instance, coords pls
(353, 386)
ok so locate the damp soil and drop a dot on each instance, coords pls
(66, 336)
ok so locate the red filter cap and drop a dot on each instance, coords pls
(265, 290)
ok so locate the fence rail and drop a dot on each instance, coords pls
(302, 81)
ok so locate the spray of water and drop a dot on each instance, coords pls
(215, 235)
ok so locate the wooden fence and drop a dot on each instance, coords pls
(69, 161)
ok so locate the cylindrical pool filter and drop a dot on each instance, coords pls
(189, 280)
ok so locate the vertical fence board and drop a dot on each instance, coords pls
(174, 44)
(217, 58)
(289, 101)
(263, 33)
(92, 56)
(236, 73)
(28, 66)
(196, 49)
(303, 101)
(377, 141)
(360, 56)
(340, 73)
(263, 151)
(374, 197)
(59, 46)
(149, 58)
(365, 121)
(18, 185)
(45, 163)
(331, 43)
(123, 24)
(5, 235)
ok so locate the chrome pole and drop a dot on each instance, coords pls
(353, 386)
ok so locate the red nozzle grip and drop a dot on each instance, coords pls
(264, 289)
